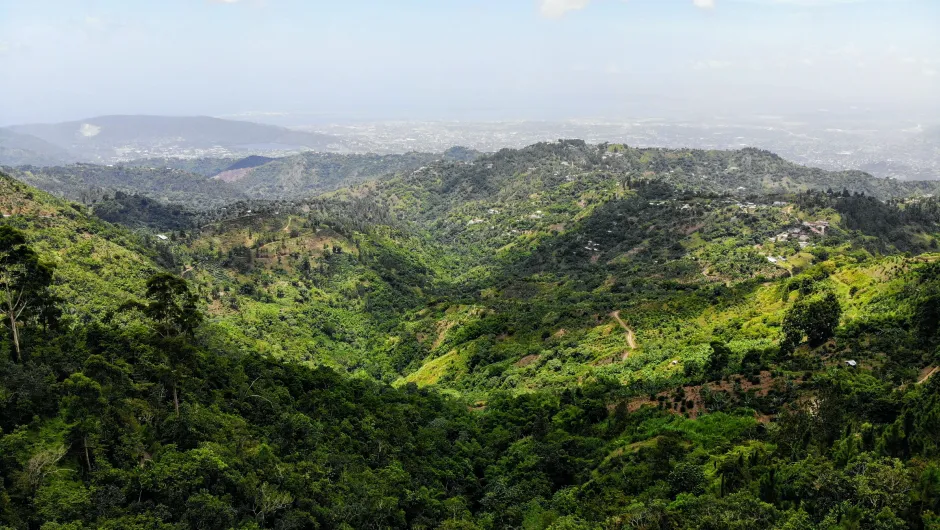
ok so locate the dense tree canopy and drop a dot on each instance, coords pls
(556, 337)
(24, 281)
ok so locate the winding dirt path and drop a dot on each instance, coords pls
(927, 373)
(631, 337)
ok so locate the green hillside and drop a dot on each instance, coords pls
(554, 337)
(303, 175)
(87, 182)
(209, 183)
(98, 266)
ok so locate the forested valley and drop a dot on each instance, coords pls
(566, 336)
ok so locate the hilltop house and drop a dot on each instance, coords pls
(818, 227)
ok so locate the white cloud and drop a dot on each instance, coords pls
(704, 4)
(558, 8)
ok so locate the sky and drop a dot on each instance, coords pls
(335, 60)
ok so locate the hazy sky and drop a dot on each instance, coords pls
(465, 59)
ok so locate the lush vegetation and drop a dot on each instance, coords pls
(516, 342)
(209, 183)
(88, 182)
(302, 175)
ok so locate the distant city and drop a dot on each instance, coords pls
(900, 150)
(903, 151)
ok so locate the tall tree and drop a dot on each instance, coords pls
(815, 318)
(24, 283)
(172, 307)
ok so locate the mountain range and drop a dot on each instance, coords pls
(112, 138)
(561, 336)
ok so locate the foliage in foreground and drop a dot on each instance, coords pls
(138, 422)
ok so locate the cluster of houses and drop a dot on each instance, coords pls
(754, 206)
(745, 206)
(803, 233)
(491, 211)
(592, 246)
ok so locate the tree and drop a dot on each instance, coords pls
(82, 405)
(718, 360)
(24, 283)
(815, 318)
(927, 304)
(172, 307)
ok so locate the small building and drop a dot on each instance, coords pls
(818, 227)
(162, 237)
(853, 364)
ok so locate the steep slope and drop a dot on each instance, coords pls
(205, 166)
(84, 182)
(679, 272)
(206, 183)
(315, 282)
(306, 174)
(552, 239)
(512, 175)
(733, 406)
(249, 162)
(137, 211)
(98, 266)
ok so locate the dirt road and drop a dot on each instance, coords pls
(631, 337)
(927, 373)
